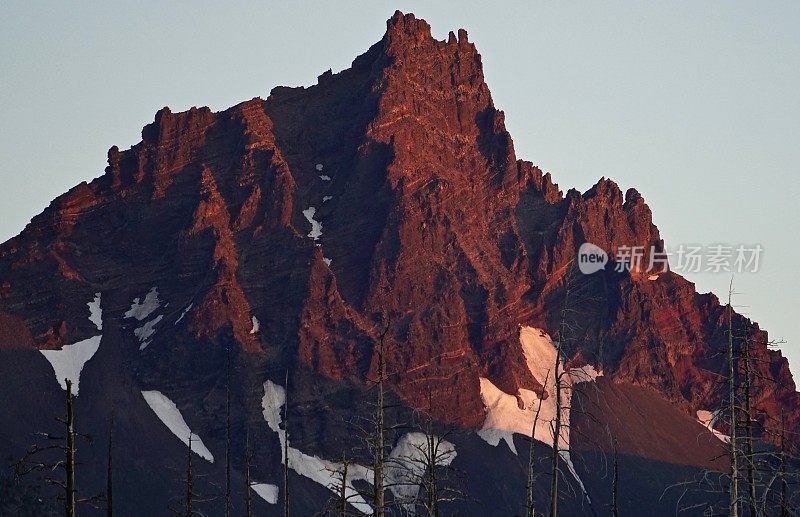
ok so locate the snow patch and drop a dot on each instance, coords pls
(146, 331)
(324, 177)
(256, 326)
(325, 199)
(324, 472)
(319, 167)
(407, 462)
(168, 413)
(586, 373)
(95, 312)
(504, 417)
(185, 311)
(68, 362)
(316, 226)
(141, 310)
(267, 492)
(327, 261)
(708, 419)
(652, 277)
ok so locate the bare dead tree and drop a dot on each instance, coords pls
(286, 452)
(343, 488)
(191, 497)
(228, 432)
(248, 482)
(530, 501)
(733, 452)
(559, 373)
(110, 469)
(189, 479)
(615, 484)
(784, 500)
(426, 469)
(339, 503)
(66, 444)
(750, 456)
(70, 456)
(378, 438)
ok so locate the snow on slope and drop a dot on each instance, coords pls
(183, 314)
(321, 471)
(256, 325)
(267, 492)
(504, 417)
(708, 419)
(170, 415)
(316, 226)
(95, 312)
(68, 362)
(406, 466)
(141, 310)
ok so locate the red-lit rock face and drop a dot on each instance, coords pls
(431, 224)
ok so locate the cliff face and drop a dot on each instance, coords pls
(296, 229)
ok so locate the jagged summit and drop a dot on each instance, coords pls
(291, 231)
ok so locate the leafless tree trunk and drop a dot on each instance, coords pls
(531, 507)
(343, 489)
(615, 485)
(784, 484)
(228, 433)
(378, 439)
(559, 372)
(286, 453)
(189, 479)
(69, 502)
(248, 482)
(66, 444)
(109, 469)
(733, 507)
(748, 422)
(338, 503)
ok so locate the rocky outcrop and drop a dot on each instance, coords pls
(424, 222)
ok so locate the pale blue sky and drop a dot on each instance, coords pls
(696, 104)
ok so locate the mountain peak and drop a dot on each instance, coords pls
(286, 237)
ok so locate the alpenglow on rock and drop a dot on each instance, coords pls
(285, 234)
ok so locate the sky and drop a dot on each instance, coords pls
(695, 104)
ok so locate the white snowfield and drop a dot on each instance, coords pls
(141, 310)
(265, 491)
(256, 325)
(503, 414)
(406, 466)
(95, 312)
(324, 472)
(316, 226)
(168, 413)
(183, 314)
(708, 419)
(68, 362)
(407, 453)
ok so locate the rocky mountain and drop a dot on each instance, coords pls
(271, 245)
